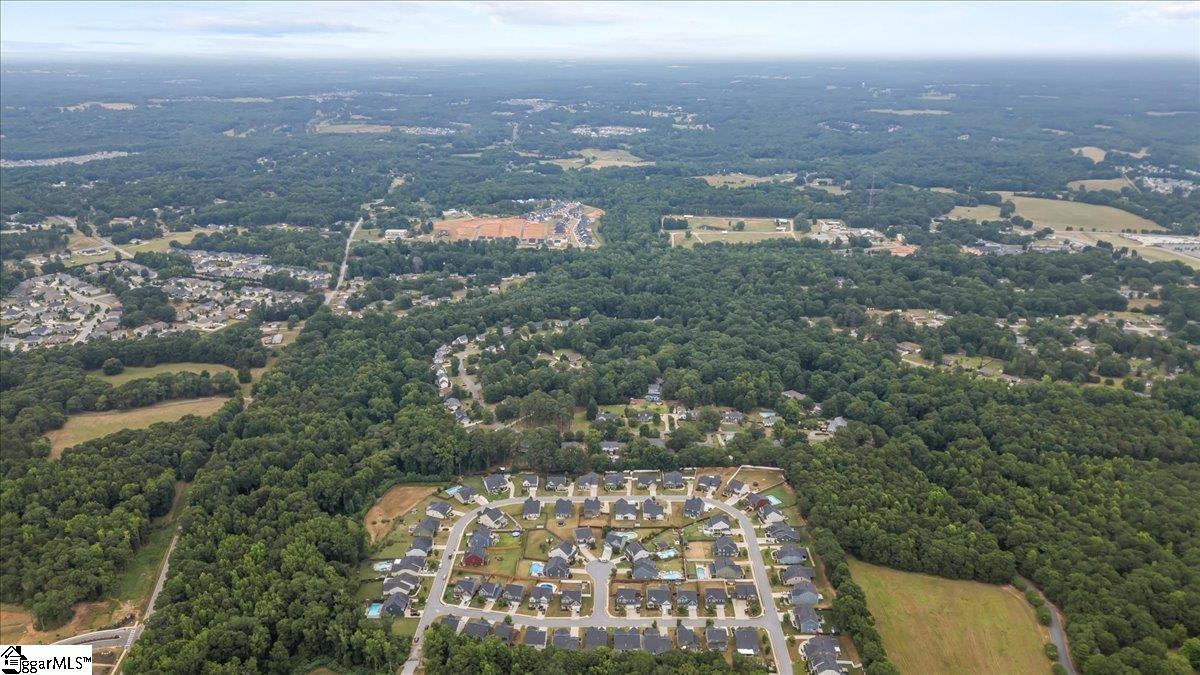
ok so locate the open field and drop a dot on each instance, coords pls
(1060, 215)
(164, 243)
(935, 625)
(1100, 184)
(516, 227)
(1093, 153)
(595, 158)
(737, 180)
(980, 213)
(1140, 154)
(717, 223)
(679, 239)
(138, 372)
(909, 112)
(395, 502)
(86, 426)
(1151, 253)
(326, 128)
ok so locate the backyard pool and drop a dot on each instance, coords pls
(374, 610)
(535, 569)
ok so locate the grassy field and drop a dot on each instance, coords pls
(326, 128)
(1060, 215)
(1148, 252)
(909, 112)
(1093, 153)
(164, 243)
(1100, 184)
(711, 223)
(86, 426)
(679, 239)
(396, 502)
(935, 625)
(137, 372)
(595, 158)
(980, 213)
(737, 180)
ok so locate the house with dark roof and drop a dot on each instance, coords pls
(769, 514)
(628, 597)
(793, 574)
(652, 510)
(790, 554)
(409, 563)
(686, 639)
(530, 481)
(489, 590)
(635, 551)
(820, 653)
(746, 642)
(724, 547)
(715, 596)
(420, 547)
(685, 597)
(531, 509)
(439, 510)
(594, 638)
(540, 596)
(745, 590)
(450, 621)
(565, 549)
(627, 640)
(563, 509)
(672, 480)
(493, 518)
(465, 494)
(806, 619)
(734, 487)
(645, 479)
(591, 507)
(658, 597)
(654, 642)
(477, 628)
(562, 639)
(571, 599)
(611, 448)
(584, 536)
(644, 570)
(427, 527)
(481, 537)
(733, 417)
(717, 639)
(693, 507)
(724, 568)
(557, 568)
(783, 532)
(708, 482)
(717, 525)
(465, 588)
(614, 480)
(402, 584)
(396, 604)
(513, 593)
(624, 510)
(803, 592)
(495, 483)
(616, 540)
(534, 637)
(605, 417)
(506, 633)
(556, 482)
(754, 500)
(588, 480)
(475, 557)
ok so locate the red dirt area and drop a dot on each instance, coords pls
(393, 504)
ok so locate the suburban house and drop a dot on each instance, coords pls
(686, 639)
(635, 551)
(514, 593)
(652, 510)
(557, 568)
(654, 392)
(584, 536)
(475, 557)
(770, 514)
(685, 597)
(745, 640)
(563, 509)
(793, 395)
(557, 483)
(531, 509)
(793, 574)
(644, 570)
(594, 638)
(493, 518)
(616, 540)
(628, 597)
(465, 494)
(672, 480)
(465, 588)
(591, 507)
(450, 621)
(409, 563)
(420, 546)
(624, 510)
(427, 527)
(534, 637)
(566, 550)
(733, 417)
(790, 554)
(571, 599)
(613, 480)
(605, 417)
(403, 583)
(754, 500)
(715, 596)
(820, 653)
(562, 639)
(646, 479)
(724, 568)
(529, 481)
(708, 482)
(836, 423)
(505, 633)
(654, 642)
(717, 639)
(724, 546)
(783, 532)
(745, 591)
(611, 448)
(587, 481)
(396, 605)
(658, 597)
(693, 507)
(717, 525)
(803, 592)
(481, 536)
(439, 510)
(806, 619)
(495, 483)
(627, 640)
(540, 596)
(734, 487)
(489, 590)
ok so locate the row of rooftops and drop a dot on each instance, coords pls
(650, 640)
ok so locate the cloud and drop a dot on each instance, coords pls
(269, 27)
(556, 13)
(1161, 13)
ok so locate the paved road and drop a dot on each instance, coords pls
(1058, 634)
(600, 571)
(469, 382)
(91, 324)
(114, 637)
(345, 261)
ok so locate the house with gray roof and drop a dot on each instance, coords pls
(803, 592)
(540, 596)
(708, 482)
(465, 588)
(584, 536)
(693, 507)
(514, 593)
(588, 480)
(439, 510)
(652, 510)
(624, 510)
(563, 509)
(820, 653)
(557, 568)
(734, 487)
(477, 628)
(594, 638)
(793, 574)
(746, 641)
(645, 479)
(531, 509)
(493, 517)
(790, 554)
(806, 619)
(628, 597)
(427, 527)
(627, 640)
(530, 481)
(769, 513)
(450, 621)
(591, 507)
(534, 637)
(644, 570)
(783, 532)
(658, 597)
(745, 590)
(495, 483)
(481, 537)
(672, 480)
(686, 639)
(562, 639)
(717, 639)
(614, 480)
(506, 633)
(685, 597)
(489, 590)
(570, 599)
(566, 549)
(654, 642)
(718, 524)
(724, 547)
(465, 494)
(420, 546)
(556, 482)
(725, 568)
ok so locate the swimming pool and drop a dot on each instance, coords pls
(374, 610)
(535, 568)
(670, 576)
(701, 572)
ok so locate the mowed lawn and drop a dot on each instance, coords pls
(1060, 215)
(86, 426)
(163, 243)
(980, 213)
(138, 372)
(935, 625)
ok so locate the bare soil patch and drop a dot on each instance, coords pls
(394, 503)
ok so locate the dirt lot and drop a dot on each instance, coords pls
(737, 180)
(1093, 153)
(16, 624)
(394, 503)
(473, 228)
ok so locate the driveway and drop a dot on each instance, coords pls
(600, 571)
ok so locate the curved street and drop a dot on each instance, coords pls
(435, 607)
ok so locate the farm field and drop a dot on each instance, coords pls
(396, 502)
(1093, 153)
(737, 180)
(719, 223)
(595, 158)
(1148, 252)
(164, 243)
(1101, 184)
(980, 213)
(326, 128)
(86, 426)
(909, 112)
(679, 239)
(1060, 215)
(138, 372)
(935, 625)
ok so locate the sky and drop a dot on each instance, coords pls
(131, 31)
